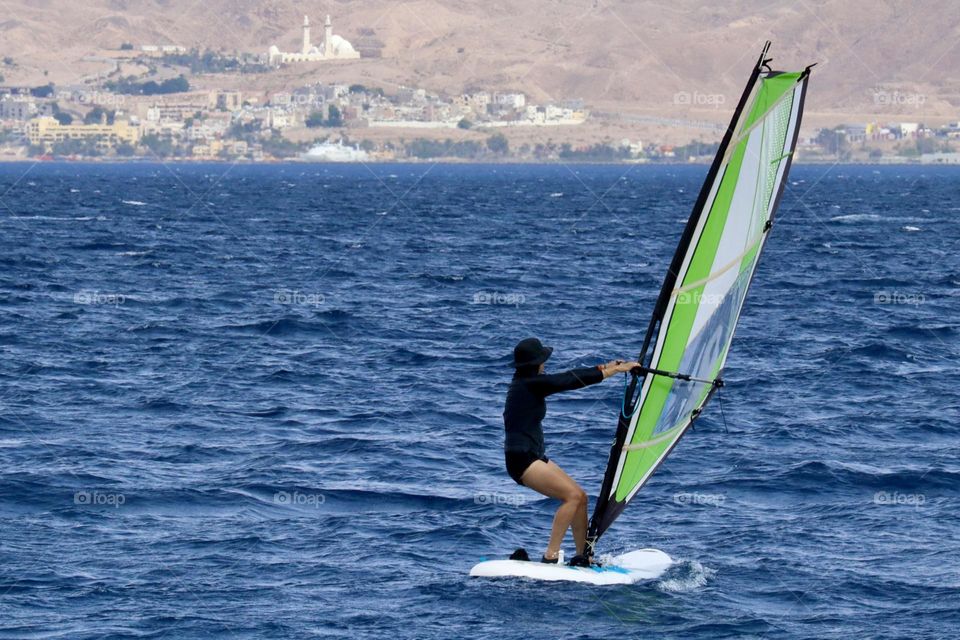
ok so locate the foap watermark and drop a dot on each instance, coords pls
(897, 498)
(884, 98)
(498, 499)
(98, 297)
(295, 498)
(698, 297)
(300, 100)
(697, 99)
(699, 499)
(99, 499)
(898, 297)
(93, 98)
(297, 297)
(499, 297)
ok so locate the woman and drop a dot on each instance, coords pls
(523, 445)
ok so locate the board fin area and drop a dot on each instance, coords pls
(629, 568)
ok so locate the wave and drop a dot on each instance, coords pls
(100, 246)
(872, 350)
(443, 278)
(269, 412)
(162, 405)
(156, 328)
(814, 475)
(23, 262)
(58, 218)
(281, 375)
(406, 356)
(347, 444)
(291, 326)
(923, 331)
(292, 496)
(685, 576)
(188, 453)
(857, 217)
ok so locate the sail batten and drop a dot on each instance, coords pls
(706, 284)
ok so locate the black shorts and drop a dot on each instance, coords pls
(518, 461)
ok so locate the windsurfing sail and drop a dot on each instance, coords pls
(702, 296)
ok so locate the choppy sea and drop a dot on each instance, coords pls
(264, 402)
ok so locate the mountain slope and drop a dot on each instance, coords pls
(885, 57)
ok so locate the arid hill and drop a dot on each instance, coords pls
(878, 59)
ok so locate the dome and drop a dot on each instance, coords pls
(341, 46)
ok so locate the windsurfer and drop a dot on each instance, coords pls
(524, 448)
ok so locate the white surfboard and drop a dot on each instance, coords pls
(643, 564)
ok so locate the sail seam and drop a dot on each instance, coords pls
(716, 274)
(663, 437)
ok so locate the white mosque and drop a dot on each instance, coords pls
(333, 48)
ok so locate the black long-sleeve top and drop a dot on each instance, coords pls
(526, 405)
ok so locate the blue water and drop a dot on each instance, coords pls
(264, 402)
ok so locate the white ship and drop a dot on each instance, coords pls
(335, 152)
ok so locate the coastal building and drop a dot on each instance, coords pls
(175, 108)
(47, 131)
(162, 49)
(510, 100)
(209, 149)
(180, 106)
(333, 47)
(908, 129)
(14, 91)
(635, 149)
(169, 130)
(226, 100)
(940, 157)
(411, 95)
(212, 127)
(279, 119)
(856, 132)
(476, 103)
(18, 108)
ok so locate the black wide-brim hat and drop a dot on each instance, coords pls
(530, 352)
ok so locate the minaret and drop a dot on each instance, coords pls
(306, 35)
(328, 38)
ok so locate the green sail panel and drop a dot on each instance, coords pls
(704, 291)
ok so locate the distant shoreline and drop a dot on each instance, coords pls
(456, 161)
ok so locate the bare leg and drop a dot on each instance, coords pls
(550, 480)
